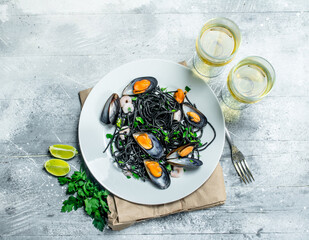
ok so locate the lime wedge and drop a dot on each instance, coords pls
(63, 151)
(57, 167)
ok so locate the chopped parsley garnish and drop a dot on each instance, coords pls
(135, 175)
(129, 109)
(169, 167)
(163, 89)
(134, 98)
(110, 136)
(139, 119)
(187, 89)
(174, 110)
(118, 123)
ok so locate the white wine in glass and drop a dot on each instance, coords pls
(248, 82)
(216, 46)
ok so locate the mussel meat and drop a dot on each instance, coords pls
(194, 116)
(111, 109)
(149, 143)
(179, 95)
(185, 162)
(181, 151)
(158, 174)
(140, 85)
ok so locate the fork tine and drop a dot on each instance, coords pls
(238, 172)
(245, 162)
(242, 171)
(245, 170)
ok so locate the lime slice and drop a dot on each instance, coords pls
(63, 151)
(57, 167)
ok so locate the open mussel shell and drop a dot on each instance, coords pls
(140, 85)
(111, 109)
(155, 149)
(185, 162)
(190, 112)
(163, 181)
(181, 151)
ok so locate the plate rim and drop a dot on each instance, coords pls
(115, 69)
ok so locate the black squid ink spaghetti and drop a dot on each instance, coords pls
(157, 132)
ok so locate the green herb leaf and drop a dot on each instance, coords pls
(129, 109)
(187, 89)
(85, 193)
(169, 167)
(128, 177)
(91, 205)
(140, 120)
(134, 98)
(118, 123)
(68, 204)
(63, 180)
(109, 135)
(135, 175)
(174, 110)
(163, 89)
(120, 161)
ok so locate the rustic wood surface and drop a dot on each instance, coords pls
(50, 50)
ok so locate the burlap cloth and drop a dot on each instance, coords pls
(124, 214)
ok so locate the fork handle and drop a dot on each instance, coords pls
(228, 137)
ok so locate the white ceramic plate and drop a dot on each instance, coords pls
(92, 133)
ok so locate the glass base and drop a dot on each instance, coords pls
(204, 69)
(230, 101)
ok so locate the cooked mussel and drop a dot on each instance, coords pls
(194, 116)
(149, 143)
(111, 109)
(158, 174)
(140, 85)
(180, 95)
(185, 162)
(181, 151)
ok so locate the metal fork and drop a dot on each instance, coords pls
(239, 161)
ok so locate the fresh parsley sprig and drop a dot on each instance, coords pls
(84, 193)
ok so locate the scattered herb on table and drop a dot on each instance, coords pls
(84, 193)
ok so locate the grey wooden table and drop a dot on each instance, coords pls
(50, 50)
